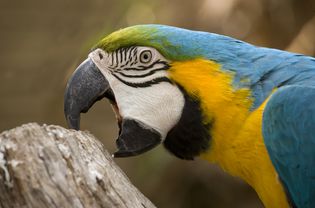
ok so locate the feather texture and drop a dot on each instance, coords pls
(289, 133)
(233, 81)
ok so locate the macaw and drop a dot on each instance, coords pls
(249, 109)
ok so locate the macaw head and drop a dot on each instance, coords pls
(141, 71)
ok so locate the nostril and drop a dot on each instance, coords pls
(100, 55)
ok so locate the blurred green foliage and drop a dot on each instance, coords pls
(43, 41)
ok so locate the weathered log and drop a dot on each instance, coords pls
(49, 166)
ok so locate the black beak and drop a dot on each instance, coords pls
(86, 86)
(136, 138)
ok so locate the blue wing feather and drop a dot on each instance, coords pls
(289, 135)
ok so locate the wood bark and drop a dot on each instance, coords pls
(49, 166)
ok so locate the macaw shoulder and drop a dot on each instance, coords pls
(289, 135)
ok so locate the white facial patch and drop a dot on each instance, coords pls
(143, 92)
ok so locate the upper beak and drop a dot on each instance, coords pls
(86, 86)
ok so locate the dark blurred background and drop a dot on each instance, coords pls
(41, 43)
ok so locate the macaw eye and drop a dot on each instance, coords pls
(145, 56)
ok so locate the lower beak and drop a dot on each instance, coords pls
(135, 138)
(86, 86)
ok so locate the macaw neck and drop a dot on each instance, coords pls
(236, 142)
(220, 103)
(257, 68)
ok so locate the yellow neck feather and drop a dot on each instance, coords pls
(236, 144)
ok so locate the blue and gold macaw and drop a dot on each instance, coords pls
(249, 109)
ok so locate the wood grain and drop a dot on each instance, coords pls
(49, 166)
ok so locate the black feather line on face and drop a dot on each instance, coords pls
(125, 50)
(190, 136)
(143, 68)
(120, 51)
(116, 60)
(144, 84)
(143, 75)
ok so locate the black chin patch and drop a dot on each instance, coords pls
(190, 136)
(135, 138)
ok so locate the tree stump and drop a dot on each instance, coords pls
(49, 166)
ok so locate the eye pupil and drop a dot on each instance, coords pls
(146, 56)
